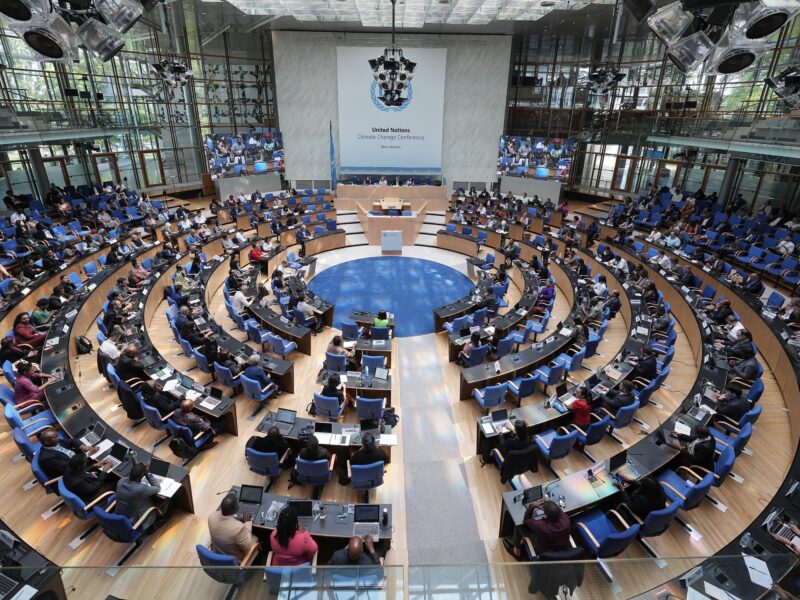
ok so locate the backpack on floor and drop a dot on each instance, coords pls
(181, 449)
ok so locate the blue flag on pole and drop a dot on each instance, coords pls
(333, 157)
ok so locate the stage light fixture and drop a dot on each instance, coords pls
(393, 72)
(49, 36)
(690, 51)
(602, 80)
(120, 14)
(100, 39)
(786, 86)
(173, 71)
(735, 53)
(761, 19)
(23, 10)
(670, 22)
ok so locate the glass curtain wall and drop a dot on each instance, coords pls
(548, 97)
(119, 121)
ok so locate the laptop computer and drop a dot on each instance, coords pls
(366, 521)
(304, 508)
(532, 494)
(322, 427)
(617, 460)
(216, 393)
(118, 454)
(147, 360)
(284, 420)
(250, 499)
(93, 434)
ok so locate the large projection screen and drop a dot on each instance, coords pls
(376, 139)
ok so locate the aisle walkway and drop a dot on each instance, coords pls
(440, 521)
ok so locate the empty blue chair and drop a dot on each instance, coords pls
(488, 263)
(379, 333)
(221, 567)
(366, 477)
(686, 492)
(335, 362)
(120, 529)
(351, 331)
(280, 346)
(490, 396)
(603, 538)
(155, 419)
(252, 389)
(594, 433)
(256, 335)
(8, 371)
(504, 347)
(457, 324)
(550, 374)
(657, 521)
(522, 387)
(553, 445)
(478, 318)
(373, 362)
(623, 417)
(327, 406)
(369, 408)
(31, 422)
(264, 463)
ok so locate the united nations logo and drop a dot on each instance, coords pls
(396, 105)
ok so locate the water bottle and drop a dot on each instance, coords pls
(322, 511)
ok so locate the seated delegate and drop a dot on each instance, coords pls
(230, 535)
(291, 544)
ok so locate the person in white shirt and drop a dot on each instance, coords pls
(239, 301)
(654, 236)
(111, 348)
(16, 216)
(677, 195)
(600, 288)
(662, 260)
(383, 181)
(229, 244)
(785, 246)
(622, 265)
(240, 237)
(735, 328)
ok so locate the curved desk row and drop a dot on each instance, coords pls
(771, 336)
(74, 413)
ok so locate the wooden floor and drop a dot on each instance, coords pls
(218, 469)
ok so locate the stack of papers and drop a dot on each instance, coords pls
(388, 439)
(103, 447)
(168, 487)
(682, 429)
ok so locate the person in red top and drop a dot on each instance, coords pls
(257, 257)
(25, 390)
(551, 531)
(581, 409)
(25, 333)
(291, 544)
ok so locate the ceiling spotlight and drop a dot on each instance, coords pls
(120, 14)
(100, 39)
(735, 53)
(670, 22)
(23, 10)
(760, 19)
(786, 86)
(49, 36)
(689, 52)
(172, 71)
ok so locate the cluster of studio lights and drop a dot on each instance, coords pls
(725, 36)
(393, 72)
(56, 29)
(786, 86)
(173, 71)
(602, 80)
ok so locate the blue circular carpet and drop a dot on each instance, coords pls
(408, 287)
